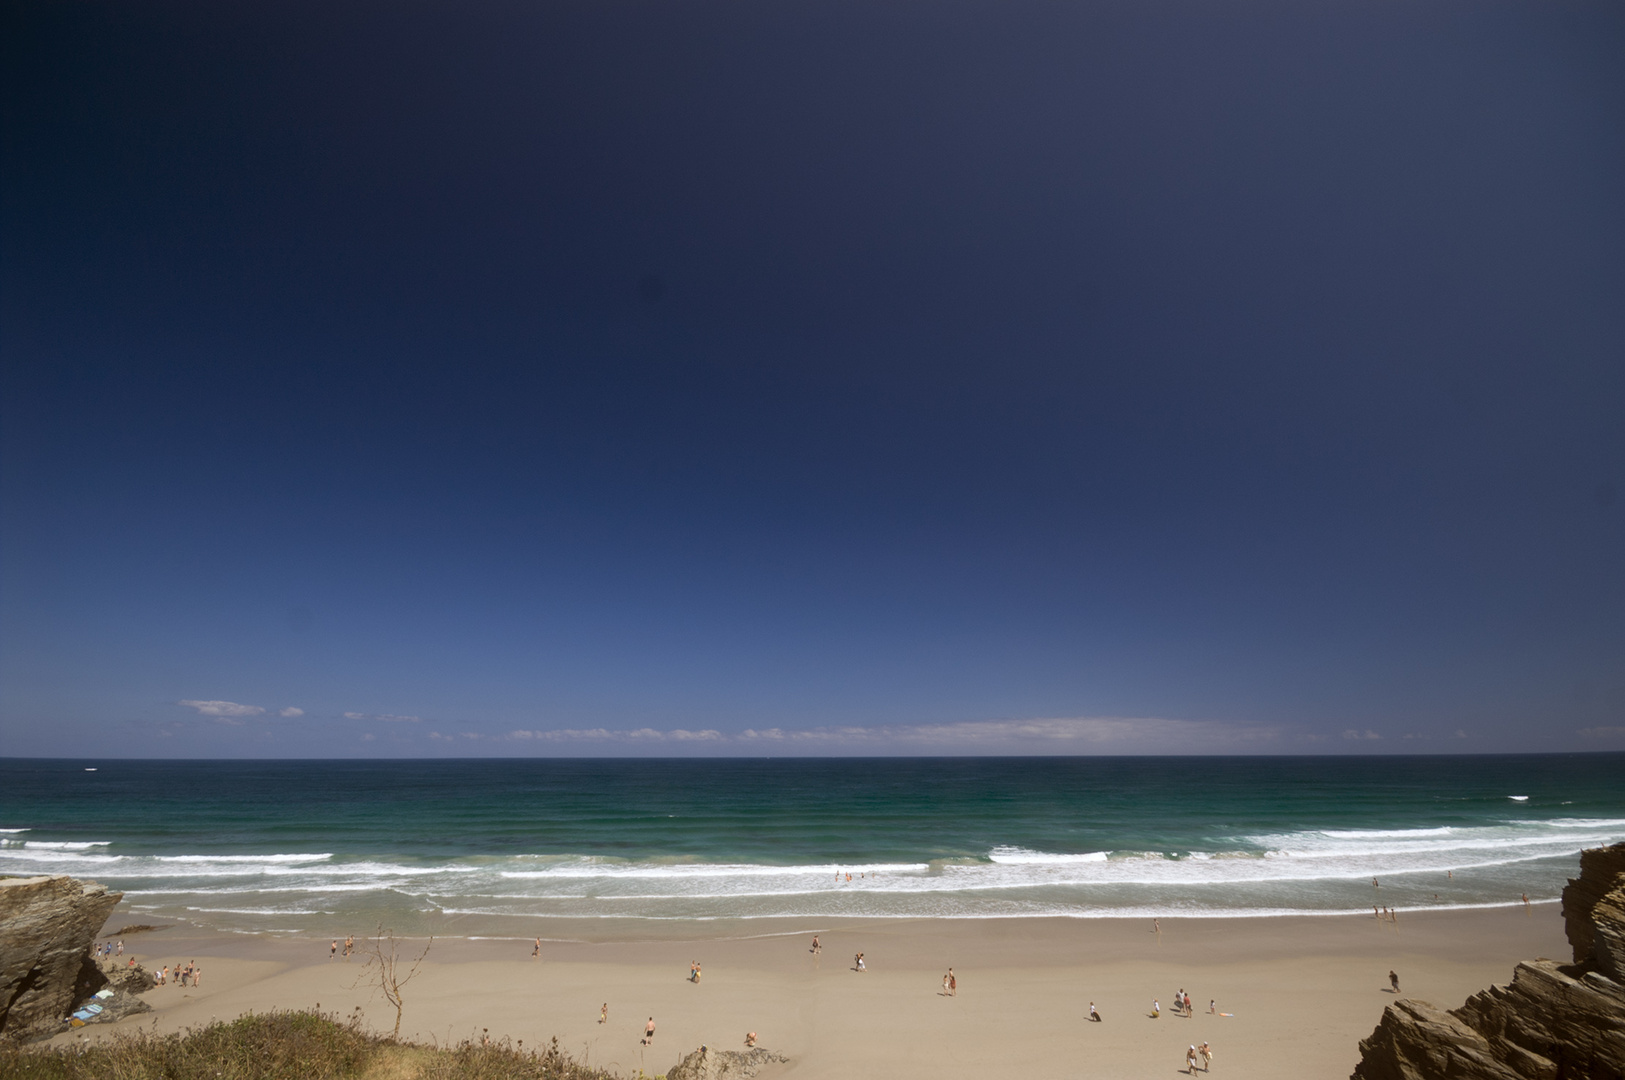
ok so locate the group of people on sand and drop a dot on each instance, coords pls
(349, 948)
(190, 975)
(950, 984)
(1202, 1052)
(1182, 1006)
(694, 972)
(109, 948)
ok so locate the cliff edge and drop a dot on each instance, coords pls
(47, 925)
(1552, 1022)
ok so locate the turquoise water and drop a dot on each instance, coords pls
(486, 847)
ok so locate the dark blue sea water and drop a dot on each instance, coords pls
(483, 846)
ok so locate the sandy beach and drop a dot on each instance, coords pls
(1302, 991)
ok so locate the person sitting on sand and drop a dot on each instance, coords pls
(750, 1039)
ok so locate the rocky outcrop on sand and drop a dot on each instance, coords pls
(1552, 1022)
(708, 1063)
(47, 925)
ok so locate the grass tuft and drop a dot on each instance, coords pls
(300, 1045)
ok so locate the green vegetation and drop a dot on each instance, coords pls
(287, 1046)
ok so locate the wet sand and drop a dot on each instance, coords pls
(1302, 990)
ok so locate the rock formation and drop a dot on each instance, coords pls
(1552, 1022)
(708, 1063)
(47, 925)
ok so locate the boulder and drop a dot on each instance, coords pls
(47, 925)
(1552, 1022)
(708, 1063)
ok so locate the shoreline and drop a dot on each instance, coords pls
(1303, 990)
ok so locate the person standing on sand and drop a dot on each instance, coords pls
(1156, 928)
(603, 1013)
(1156, 1009)
(696, 972)
(1094, 1014)
(333, 949)
(861, 966)
(649, 1032)
(1393, 980)
(953, 984)
(349, 947)
(945, 986)
(1190, 1060)
(536, 950)
(1212, 1007)
(1207, 1057)
(816, 948)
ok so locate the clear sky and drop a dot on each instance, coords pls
(973, 376)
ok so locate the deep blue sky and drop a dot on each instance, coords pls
(992, 376)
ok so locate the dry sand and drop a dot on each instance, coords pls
(1303, 991)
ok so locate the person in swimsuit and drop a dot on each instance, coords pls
(1190, 1060)
(953, 984)
(1207, 1056)
(603, 1013)
(1156, 1009)
(649, 1032)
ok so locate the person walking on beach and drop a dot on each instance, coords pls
(859, 963)
(1525, 907)
(536, 950)
(696, 972)
(1212, 1006)
(953, 984)
(1156, 1009)
(649, 1032)
(1207, 1056)
(1094, 1014)
(333, 949)
(349, 947)
(121, 943)
(945, 986)
(603, 1013)
(816, 948)
(1190, 1060)
(1393, 980)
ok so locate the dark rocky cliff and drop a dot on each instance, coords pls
(1552, 1022)
(47, 925)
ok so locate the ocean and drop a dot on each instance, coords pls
(496, 847)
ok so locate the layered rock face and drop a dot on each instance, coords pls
(1552, 1022)
(47, 925)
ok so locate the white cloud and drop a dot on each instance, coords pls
(355, 716)
(1063, 734)
(222, 708)
(388, 718)
(1352, 734)
(290, 712)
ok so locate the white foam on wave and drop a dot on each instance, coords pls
(15, 830)
(1014, 856)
